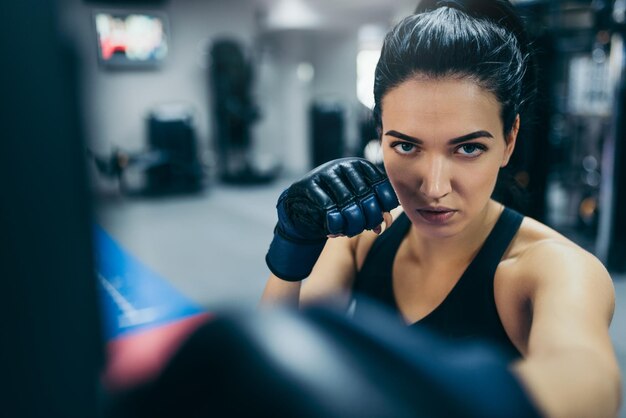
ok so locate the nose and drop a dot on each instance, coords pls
(435, 182)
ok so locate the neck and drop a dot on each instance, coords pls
(460, 248)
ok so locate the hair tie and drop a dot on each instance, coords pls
(453, 4)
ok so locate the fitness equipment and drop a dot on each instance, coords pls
(170, 165)
(171, 132)
(572, 161)
(318, 363)
(234, 113)
(51, 352)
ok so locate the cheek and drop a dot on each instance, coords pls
(475, 184)
(401, 184)
(404, 177)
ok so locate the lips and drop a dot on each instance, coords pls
(436, 215)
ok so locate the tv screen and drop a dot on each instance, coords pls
(131, 39)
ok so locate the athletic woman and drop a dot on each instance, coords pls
(451, 87)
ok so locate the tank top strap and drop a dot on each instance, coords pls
(389, 241)
(372, 280)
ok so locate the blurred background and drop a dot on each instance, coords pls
(194, 115)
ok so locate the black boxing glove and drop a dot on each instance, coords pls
(341, 197)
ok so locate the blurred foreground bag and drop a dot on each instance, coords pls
(317, 363)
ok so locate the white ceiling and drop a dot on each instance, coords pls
(331, 14)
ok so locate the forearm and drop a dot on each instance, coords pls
(573, 384)
(281, 292)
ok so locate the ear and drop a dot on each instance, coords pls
(511, 139)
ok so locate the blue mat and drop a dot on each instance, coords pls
(133, 297)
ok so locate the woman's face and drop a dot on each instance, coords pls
(443, 145)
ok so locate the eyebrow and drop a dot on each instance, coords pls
(453, 141)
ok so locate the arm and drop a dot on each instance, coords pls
(278, 291)
(570, 368)
(331, 278)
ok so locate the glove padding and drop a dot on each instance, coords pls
(341, 197)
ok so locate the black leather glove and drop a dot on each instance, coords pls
(341, 197)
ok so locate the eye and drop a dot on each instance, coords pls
(403, 147)
(472, 149)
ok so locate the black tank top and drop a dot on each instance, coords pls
(469, 311)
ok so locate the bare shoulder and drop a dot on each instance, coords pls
(364, 241)
(537, 247)
(533, 233)
(547, 261)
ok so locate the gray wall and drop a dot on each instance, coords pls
(284, 99)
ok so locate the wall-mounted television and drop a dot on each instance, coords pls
(131, 39)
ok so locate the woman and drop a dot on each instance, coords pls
(450, 90)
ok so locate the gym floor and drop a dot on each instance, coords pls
(211, 246)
